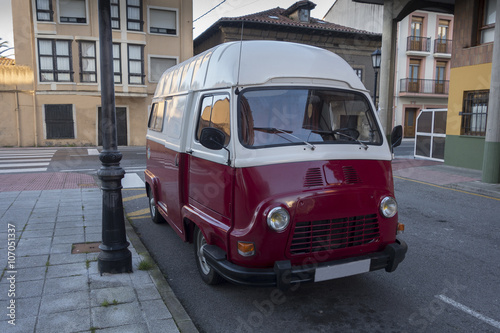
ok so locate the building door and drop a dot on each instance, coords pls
(121, 126)
(410, 122)
(440, 77)
(442, 39)
(416, 34)
(413, 82)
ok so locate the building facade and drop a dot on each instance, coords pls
(296, 24)
(59, 41)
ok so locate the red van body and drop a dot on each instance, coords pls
(279, 174)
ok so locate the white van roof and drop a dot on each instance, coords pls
(261, 62)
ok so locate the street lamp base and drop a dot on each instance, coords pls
(115, 262)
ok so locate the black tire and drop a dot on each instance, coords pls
(153, 210)
(207, 273)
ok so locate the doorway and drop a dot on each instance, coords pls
(410, 121)
(121, 126)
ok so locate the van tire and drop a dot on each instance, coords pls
(153, 210)
(207, 273)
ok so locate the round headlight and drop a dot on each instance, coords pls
(278, 219)
(388, 207)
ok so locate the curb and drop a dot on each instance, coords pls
(179, 314)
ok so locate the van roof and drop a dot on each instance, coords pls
(261, 62)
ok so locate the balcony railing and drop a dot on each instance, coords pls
(442, 46)
(420, 86)
(419, 44)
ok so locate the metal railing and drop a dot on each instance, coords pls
(421, 86)
(442, 46)
(417, 43)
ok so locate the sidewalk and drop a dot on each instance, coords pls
(47, 287)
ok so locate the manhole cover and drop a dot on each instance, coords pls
(85, 248)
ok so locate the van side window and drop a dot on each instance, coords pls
(215, 113)
(156, 117)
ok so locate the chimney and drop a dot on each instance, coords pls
(300, 11)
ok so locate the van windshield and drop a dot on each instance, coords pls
(277, 117)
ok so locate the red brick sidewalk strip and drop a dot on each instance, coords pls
(45, 181)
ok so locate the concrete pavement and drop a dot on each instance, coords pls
(51, 284)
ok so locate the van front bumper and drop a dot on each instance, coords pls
(284, 275)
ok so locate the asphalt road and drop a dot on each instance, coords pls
(448, 282)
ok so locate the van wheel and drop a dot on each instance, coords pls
(155, 215)
(208, 274)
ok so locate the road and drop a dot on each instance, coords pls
(448, 282)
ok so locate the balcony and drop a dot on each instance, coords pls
(442, 48)
(421, 86)
(418, 45)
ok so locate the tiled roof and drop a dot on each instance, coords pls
(275, 17)
(7, 62)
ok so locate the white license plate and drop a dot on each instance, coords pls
(342, 270)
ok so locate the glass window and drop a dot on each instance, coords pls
(44, 10)
(55, 60)
(273, 117)
(88, 62)
(135, 64)
(115, 14)
(157, 116)
(134, 15)
(487, 28)
(72, 11)
(475, 113)
(215, 113)
(158, 66)
(359, 73)
(162, 21)
(59, 121)
(117, 63)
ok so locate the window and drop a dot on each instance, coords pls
(117, 63)
(413, 82)
(72, 11)
(44, 10)
(156, 116)
(54, 58)
(88, 62)
(281, 116)
(162, 21)
(440, 77)
(488, 17)
(359, 73)
(416, 39)
(59, 121)
(475, 113)
(442, 37)
(115, 14)
(159, 65)
(215, 113)
(135, 64)
(134, 15)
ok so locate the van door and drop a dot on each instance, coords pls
(210, 178)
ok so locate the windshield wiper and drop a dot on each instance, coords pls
(338, 132)
(274, 130)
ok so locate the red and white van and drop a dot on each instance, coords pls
(269, 157)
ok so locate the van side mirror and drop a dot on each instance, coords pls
(212, 138)
(396, 136)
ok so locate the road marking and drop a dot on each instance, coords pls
(468, 310)
(9, 156)
(447, 188)
(132, 180)
(138, 196)
(92, 151)
(23, 170)
(31, 160)
(139, 212)
(77, 170)
(17, 165)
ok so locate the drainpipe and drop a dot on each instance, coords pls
(18, 119)
(491, 160)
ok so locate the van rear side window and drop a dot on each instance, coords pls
(215, 113)
(156, 116)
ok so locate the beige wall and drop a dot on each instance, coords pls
(85, 97)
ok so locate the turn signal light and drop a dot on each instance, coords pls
(401, 228)
(246, 249)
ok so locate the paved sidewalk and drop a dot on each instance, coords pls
(46, 288)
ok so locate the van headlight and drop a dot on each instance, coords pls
(388, 207)
(278, 219)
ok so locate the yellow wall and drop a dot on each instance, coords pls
(462, 79)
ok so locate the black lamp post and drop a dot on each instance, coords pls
(376, 58)
(115, 256)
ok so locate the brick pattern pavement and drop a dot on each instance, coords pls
(45, 181)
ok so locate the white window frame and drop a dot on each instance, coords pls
(161, 57)
(165, 9)
(86, 14)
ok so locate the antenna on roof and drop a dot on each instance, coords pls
(239, 60)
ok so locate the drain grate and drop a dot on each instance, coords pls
(85, 248)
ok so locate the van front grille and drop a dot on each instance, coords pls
(325, 235)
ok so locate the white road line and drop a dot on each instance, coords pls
(31, 160)
(468, 310)
(77, 170)
(93, 151)
(132, 180)
(5, 156)
(23, 170)
(20, 165)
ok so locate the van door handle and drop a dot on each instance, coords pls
(189, 151)
(176, 160)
